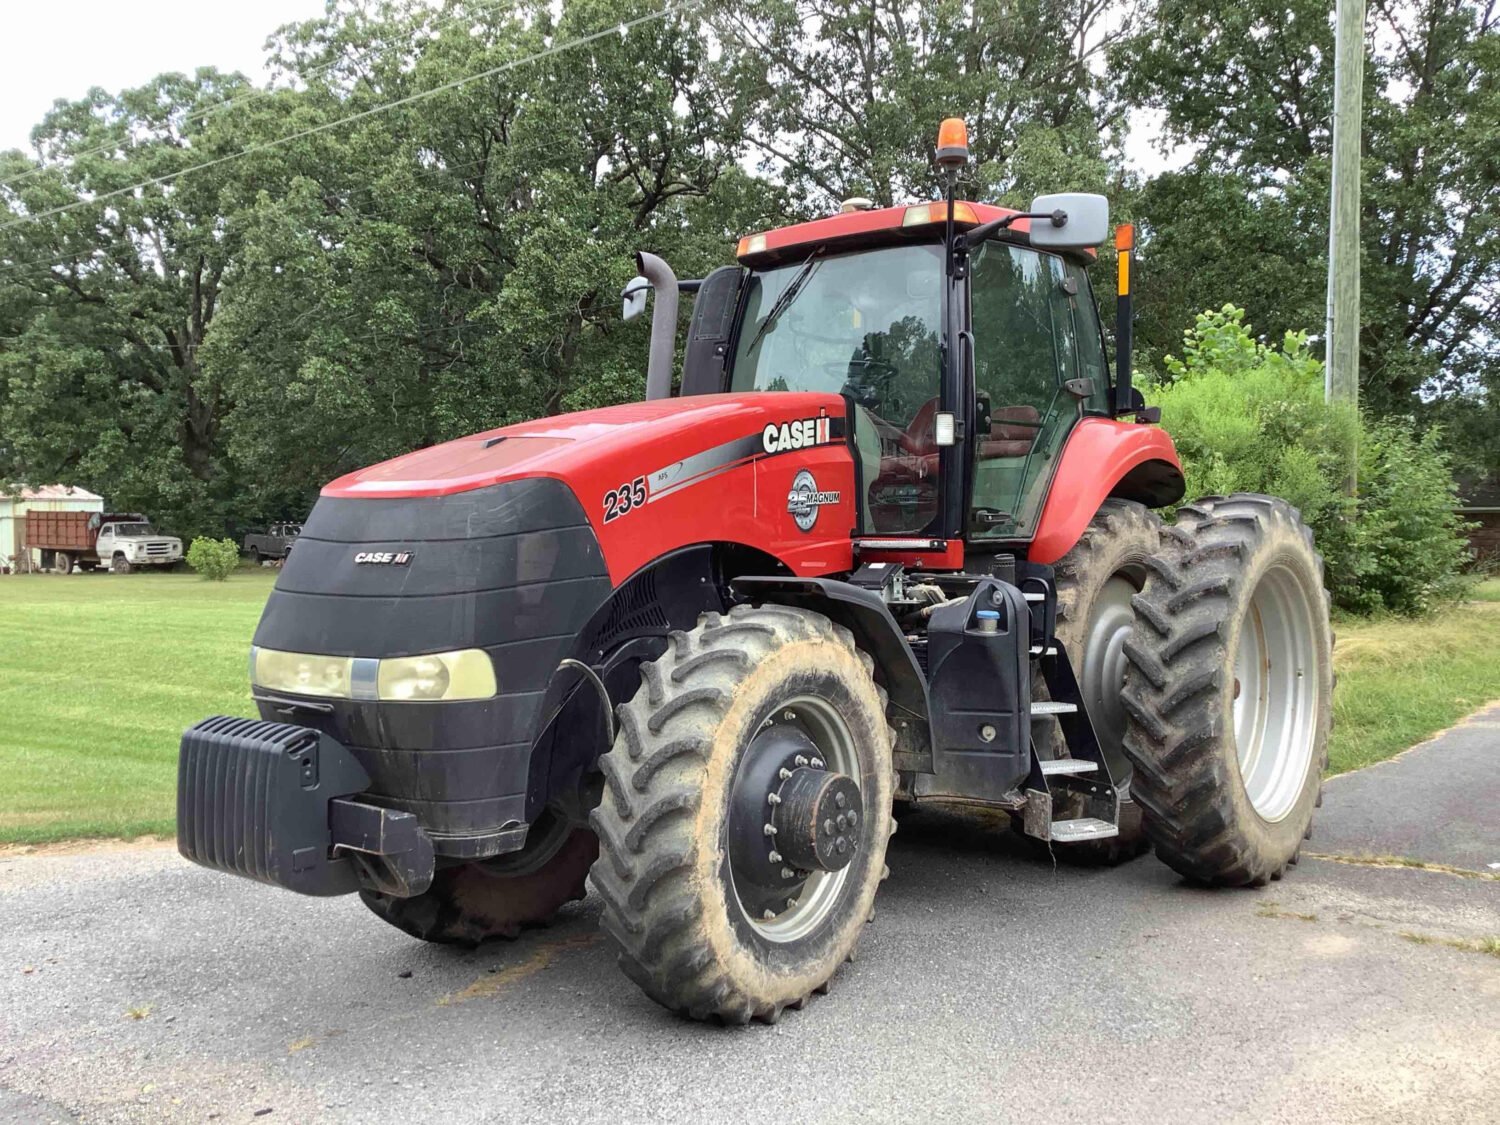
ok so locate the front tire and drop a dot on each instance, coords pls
(120, 565)
(497, 898)
(708, 900)
(1229, 690)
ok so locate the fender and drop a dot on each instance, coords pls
(865, 615)
(1104, 458)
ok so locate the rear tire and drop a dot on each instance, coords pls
(690, 882)
(1229, 690)
(1096, 581)
(495, 898)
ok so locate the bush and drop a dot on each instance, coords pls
(1248, 417)
(214, 559)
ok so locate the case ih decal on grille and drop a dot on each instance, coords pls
(804, 500)
(383, 558)
(801, 434)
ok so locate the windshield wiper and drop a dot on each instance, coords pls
(785, 298)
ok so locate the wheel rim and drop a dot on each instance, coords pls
(1102, 670)
(814, 895)
(1275, 694)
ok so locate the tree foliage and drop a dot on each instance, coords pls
(1248, 417)
(420, 227)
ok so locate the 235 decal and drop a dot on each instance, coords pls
(624, 499)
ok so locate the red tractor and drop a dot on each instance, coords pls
(891, 542)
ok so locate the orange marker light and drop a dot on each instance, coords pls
(953, 142)
(1124, 243)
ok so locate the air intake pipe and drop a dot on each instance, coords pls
(663, 324)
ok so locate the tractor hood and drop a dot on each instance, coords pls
(655, 475)
(563, 446)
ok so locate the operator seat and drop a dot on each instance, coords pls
(1013, 431)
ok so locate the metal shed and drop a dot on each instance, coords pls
(16, 502)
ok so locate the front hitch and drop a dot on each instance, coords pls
(274, 802)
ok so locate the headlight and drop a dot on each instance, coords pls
(443, 676)
(304, 675)
(469, 674)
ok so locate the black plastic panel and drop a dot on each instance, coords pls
(979, 684)
(514, 569)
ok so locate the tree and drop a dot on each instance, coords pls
(1250, 84)
(107, 297)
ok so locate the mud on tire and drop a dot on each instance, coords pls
(1229, 690)
(682, 929)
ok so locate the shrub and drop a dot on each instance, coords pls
(1248, 417)
(214, 559)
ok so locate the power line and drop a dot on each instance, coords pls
(421, 95)
(205, 113)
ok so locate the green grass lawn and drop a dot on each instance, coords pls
(100, 674)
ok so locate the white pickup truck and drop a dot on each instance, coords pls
(128, 543)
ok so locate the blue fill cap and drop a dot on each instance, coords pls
(990, 613)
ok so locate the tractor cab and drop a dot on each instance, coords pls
(963, 337)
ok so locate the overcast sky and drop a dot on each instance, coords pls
(121, 43)
(60, 49)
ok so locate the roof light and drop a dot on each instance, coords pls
(856, 203)
(925, 213)
(953, 143)
(751, 244)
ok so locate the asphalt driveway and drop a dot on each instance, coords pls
(992, 986)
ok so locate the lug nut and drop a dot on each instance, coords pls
(842, 822)
(828, 828)
(770, 829)
(768, 915)
(800, 759)
(774, 798)
(853, 818)
(774, 857)
(842, 845)
(785, 773)
(791, 904)
(817, 763)
(788, 873)
(840, 800)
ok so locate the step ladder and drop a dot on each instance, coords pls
(1078, 785)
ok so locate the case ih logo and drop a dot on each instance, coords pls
(804, 500)
(800, 434)
(382, 558)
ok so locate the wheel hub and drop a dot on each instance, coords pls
(817, 819)
(795, 823)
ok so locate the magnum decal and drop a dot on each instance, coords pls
(804, 500)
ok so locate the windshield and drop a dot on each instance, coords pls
(134, 529)
(865, 324)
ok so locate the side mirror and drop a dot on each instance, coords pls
(1080, 221)
(634, 295)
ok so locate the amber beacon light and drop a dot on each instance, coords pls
(953, 143)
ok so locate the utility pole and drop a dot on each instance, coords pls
(1342, 371)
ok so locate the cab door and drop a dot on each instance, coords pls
(1038, 367)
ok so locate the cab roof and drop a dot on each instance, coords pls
(851, 229)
